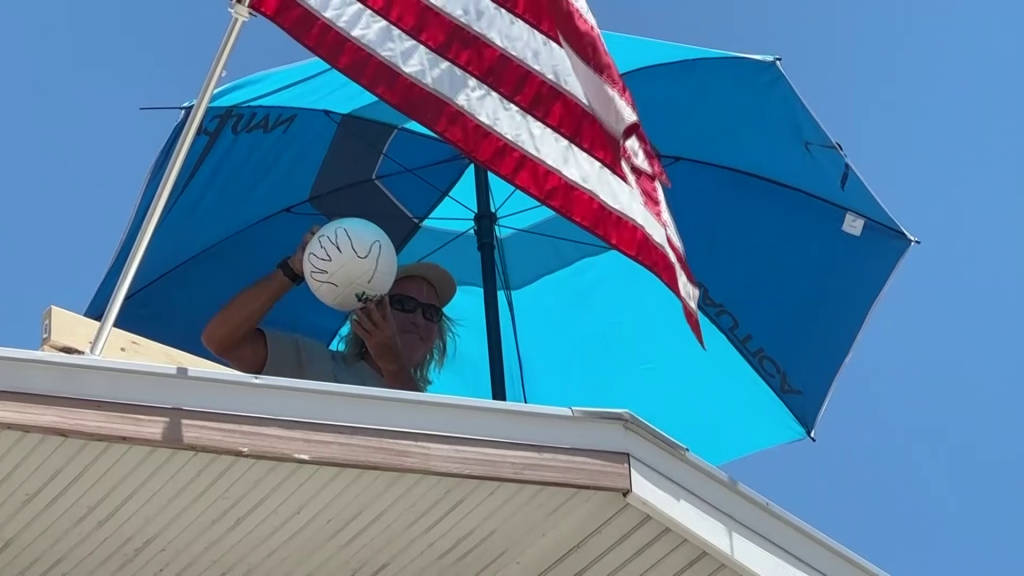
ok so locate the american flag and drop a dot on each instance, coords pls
(525, 88)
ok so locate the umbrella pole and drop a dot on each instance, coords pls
(239, 14)
(485, 221)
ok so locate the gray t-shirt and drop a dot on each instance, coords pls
(291, 356)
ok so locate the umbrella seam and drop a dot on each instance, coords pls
(789, 187)
(287, 209)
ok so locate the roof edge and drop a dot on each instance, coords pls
(682, 454)
(41, 373)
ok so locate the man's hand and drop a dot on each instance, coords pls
(375, 325)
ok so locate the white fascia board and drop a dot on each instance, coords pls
(207, 390)
(745, 530)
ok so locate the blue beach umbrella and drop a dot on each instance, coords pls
(790, 246)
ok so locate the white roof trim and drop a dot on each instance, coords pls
(743, 529)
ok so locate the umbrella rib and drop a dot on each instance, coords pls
(518, 212)
(505, 201)
(442, 246)
(287, 209)
(341, 188)
(507, 284)
(782, 185)
(371, 216)
(677, 159)
(345, 187)
(375, 177)
(384, 154)
(290, 208)
(286, 87)
(553, 237)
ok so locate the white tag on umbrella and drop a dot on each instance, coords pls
(853, 224)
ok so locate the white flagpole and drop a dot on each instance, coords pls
(239, 14)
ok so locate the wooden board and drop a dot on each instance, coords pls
(68, 333)
(315, 443)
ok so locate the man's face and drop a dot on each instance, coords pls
(415, 333)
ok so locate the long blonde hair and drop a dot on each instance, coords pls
(353, 349)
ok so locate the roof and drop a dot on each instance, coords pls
(119, 467)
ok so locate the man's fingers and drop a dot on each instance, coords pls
(359, 330)
(365, 317)
(387, 320)
(376, 312)
(385, 310)
(308, 236)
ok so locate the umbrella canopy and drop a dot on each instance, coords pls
(790, 246)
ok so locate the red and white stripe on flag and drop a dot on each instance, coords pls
(526, 88)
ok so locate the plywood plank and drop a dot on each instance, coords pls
(68, 333)
(315, 443)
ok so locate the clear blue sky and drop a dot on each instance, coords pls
(921, 444)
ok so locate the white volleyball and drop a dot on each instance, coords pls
(349, 262)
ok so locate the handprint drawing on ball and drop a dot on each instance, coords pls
(325, 257)
(364, 298)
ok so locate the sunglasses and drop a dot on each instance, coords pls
(408, 305)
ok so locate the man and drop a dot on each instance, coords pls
(393, 343)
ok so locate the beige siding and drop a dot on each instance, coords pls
(79, 507)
